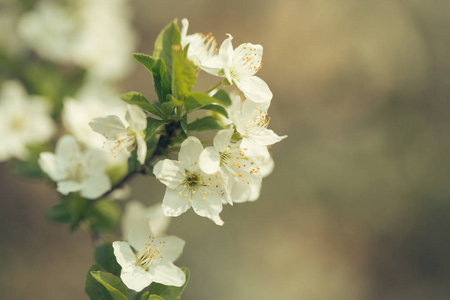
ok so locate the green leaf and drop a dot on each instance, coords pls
(184, 75)
(94, 289)
(155, 297)
(196, 100)
(216, 108)
(59, 213)
(184, 126)
(170, 36)
(169, 292)
(138, 99)
(133, 163)
(146, 60)
(104, 257)
(163, 84)
(152, 126)
(223, 97)
(167, 108)
(205, 123)
(112, 283)
(72, 210)
(104, 216)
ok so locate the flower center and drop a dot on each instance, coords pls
(150, 254)
(192, 179)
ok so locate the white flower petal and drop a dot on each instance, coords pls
(68, 186)
(226, 56)
(209, 160)
(173, 247)
(210, 207)
(136, 118)
(246, 60)
(169, 172)
(139, 233)
(124, 255)
(141, 148)
(267, 137)
(189, 152)
(174, 204)
(66, 147)
(168, 274)
(251, 148)
(111, 127)
(136, 278)
(96, 161)
(255, 89)
(47, 162)
(95, 185)
(222, 139)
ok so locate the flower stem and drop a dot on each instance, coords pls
(214, 87)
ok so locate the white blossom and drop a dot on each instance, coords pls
(145, 259)
(96, 35)
(187, 185)
(157, 220)
(124, 137)
(93, 100)
(24, 120)
(75, 170)
(243, 171)
(239, 66)
(202, 49)
(251, 121)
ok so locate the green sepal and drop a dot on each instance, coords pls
(138, 99)
(112, 283)
(105, 258)
(94, 289)
(205, 123)
(169, 292)
(168, 38)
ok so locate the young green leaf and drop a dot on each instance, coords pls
(138, 99)
(169, 292)
(146, 60)
(184, 75)
(59, 213)
(170, 36)
(162, 80)
(223, 97)
(216, 108)
(152, 126)
(205, 123)
(196, 100)
(104, 256)
(112, 283)
(94, 289)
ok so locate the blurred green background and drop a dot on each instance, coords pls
(358, 204)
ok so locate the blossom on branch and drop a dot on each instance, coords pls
(75, 170)
(122, 137)
(187, 185)
(145, 259)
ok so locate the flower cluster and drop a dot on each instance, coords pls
(106, 142)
